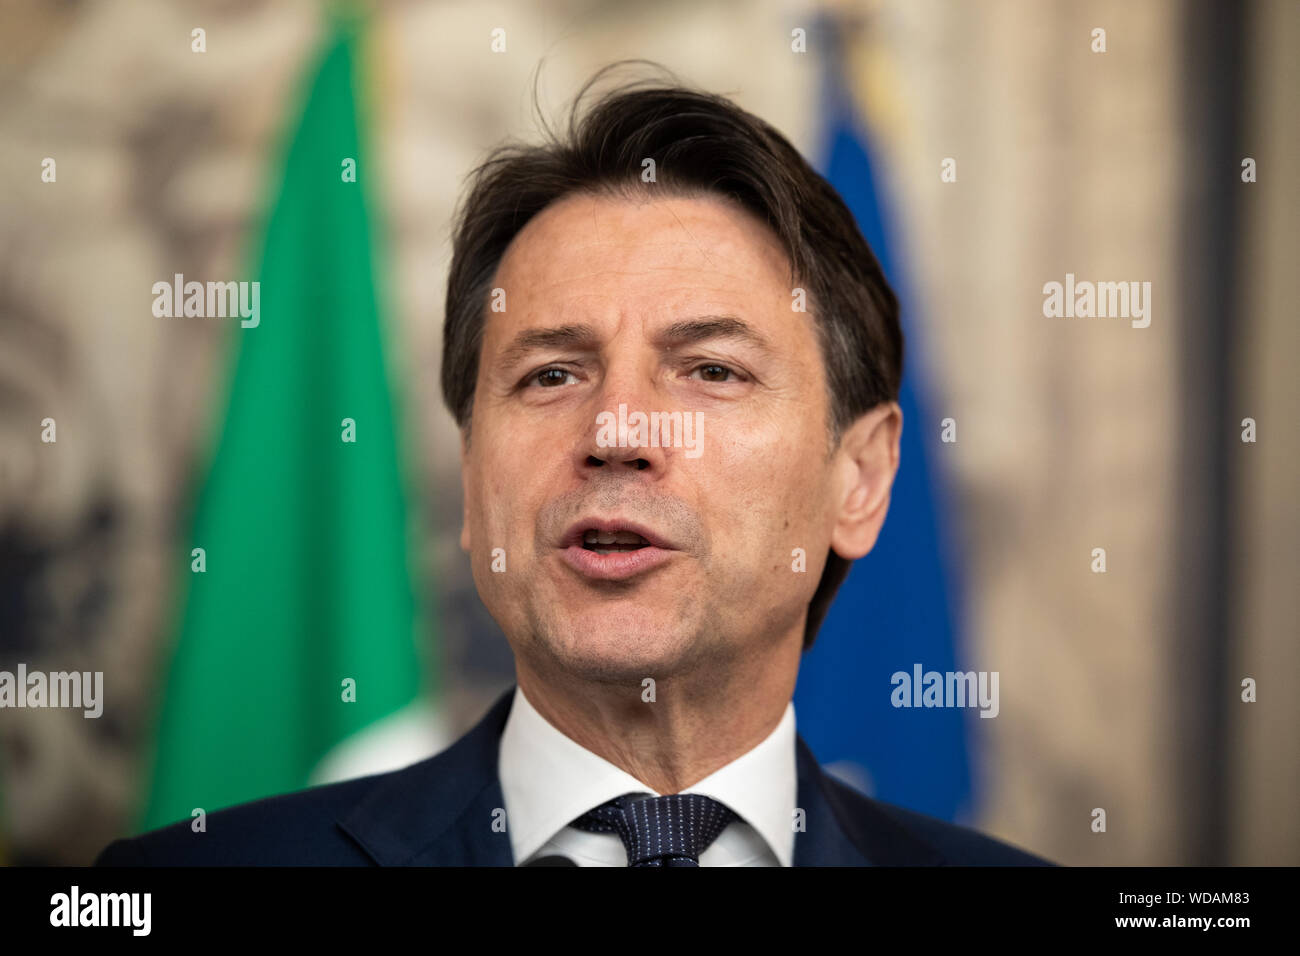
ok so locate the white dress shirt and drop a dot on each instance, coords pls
(549, 779)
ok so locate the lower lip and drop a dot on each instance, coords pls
(617, 565)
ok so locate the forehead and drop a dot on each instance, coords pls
(645, 254)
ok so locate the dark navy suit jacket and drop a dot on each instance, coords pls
(440, 811)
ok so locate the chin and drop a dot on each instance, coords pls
(621, 643)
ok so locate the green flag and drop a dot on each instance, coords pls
(299, 618)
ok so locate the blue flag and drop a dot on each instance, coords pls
(896, 608)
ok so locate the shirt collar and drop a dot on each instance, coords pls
(548, 779)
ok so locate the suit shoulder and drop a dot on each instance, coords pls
(296, 829)
(327, 824)
(957, 845)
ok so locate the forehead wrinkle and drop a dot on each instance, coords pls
(695, 242)
(606, 281)
(543, 264)
(553, 228)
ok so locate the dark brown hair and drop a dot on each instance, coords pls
(699, 142)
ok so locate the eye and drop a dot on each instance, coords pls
(551, 377)
(712, 372)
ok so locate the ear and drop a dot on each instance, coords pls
(866, 462)
(464, 491)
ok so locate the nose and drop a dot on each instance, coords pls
(618, 438)
(619, 460)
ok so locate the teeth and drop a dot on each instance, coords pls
(592, 536)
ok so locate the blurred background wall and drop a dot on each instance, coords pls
(1121, 690)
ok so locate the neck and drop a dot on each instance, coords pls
(696, 723)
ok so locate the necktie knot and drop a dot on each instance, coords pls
(671, 830)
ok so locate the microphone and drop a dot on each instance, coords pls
(553, 860)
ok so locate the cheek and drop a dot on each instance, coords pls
(768, 495)
(498, 554)
(509, 495)
(485, 497)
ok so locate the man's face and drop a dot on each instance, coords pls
(672, 305)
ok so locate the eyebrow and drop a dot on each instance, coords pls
(584, 337)
(712, 327)
(562, 336)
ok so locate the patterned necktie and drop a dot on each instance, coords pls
(660, 831)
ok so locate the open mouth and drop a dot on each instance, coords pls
(614, 548)
(612, 542)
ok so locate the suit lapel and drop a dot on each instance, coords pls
(440, 811)
(845, 828)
